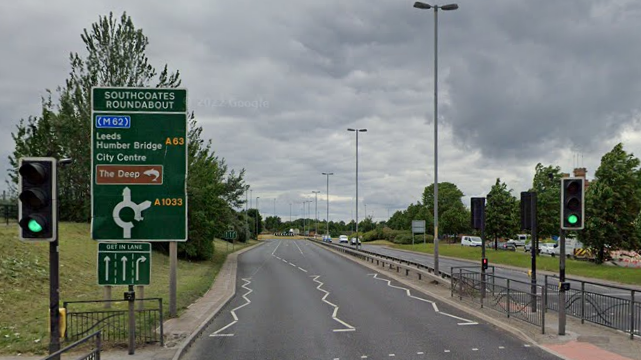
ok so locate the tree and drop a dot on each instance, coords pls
(547, 185)
(255, 222)
(454, 217)
(613, 203)
(116, 56)
(500, 219)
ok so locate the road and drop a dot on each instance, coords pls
(297, 300)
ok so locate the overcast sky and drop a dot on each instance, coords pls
(276, 84)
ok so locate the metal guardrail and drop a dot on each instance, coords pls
(616, 312)
(114, 322)
(94, 354)
(511, 297)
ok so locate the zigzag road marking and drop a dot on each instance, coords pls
(348, 327)
(434, 306)
(233, 312)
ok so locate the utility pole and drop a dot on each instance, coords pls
(327, 196)
(316, 210)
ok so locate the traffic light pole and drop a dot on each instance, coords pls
(534, 248)
(561, 281)
(54, 286)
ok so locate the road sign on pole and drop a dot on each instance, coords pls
(139, 164)
(230, 235)
(124, 263)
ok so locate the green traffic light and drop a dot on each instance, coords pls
(34, 226)
(573, 219)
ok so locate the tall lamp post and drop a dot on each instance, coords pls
(420, 5)
(357, 131)
(327, 196)
(316, 210)
(257, 197)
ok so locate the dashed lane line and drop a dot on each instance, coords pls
(348, 327)
(434, 306)
(233, 312)
(301, 269)
(301, 251)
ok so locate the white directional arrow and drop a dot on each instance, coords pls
(138, 261)
(124, 268)
(107, 260)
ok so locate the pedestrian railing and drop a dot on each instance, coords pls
(84, 317)
(93, 341)
(513, 298)
(617, 308)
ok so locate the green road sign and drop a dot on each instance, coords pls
(124, 263)
(139, 164)
(230, 234)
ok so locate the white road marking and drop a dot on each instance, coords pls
(527, 345)
(276, 247)
(348, 326)
(392, 355)
(233, 312)
(447, 351)
(420, 353)
(294, 265)
(475, 349)
(363, 356)
(434, 306)
(301, 251)
(284, 260)
(301, 269)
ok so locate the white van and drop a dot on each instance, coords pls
(471, 241)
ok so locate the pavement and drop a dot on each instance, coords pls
(581, 342)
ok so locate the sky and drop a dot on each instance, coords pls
(275, 85)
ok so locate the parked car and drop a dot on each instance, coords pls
(547, 249)
(354, 240)
(327, 238)
(343, 239)
(520, 240)
(471, 241)
(506, 246)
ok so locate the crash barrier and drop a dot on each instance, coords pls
(386, 260)
(92, 340)
(618, 307)
(82, 318)
(515, 299)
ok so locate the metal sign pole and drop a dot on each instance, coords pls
(561, 281)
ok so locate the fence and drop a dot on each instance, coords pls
(9, 212)
(94, 354)
(511, 297)
(617, 309)
(82, 318)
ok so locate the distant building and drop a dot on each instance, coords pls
(580, 173)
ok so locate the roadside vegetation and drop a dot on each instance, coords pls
(24, 282)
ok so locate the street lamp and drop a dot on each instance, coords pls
(316, 210)
(257, 197)
(357, 131)
(420, 5)
(327, 174)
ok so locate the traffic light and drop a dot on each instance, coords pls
(478, 213)
(484, 263)
(37, 208)
(572, 204)
(528, 210)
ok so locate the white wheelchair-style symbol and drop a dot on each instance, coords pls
(127, 203)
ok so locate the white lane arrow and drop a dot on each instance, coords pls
(124, 268)
(138, 261)
(107, 260)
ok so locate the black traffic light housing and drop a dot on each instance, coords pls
(37, 206)
(478, 212)
(572, 203)
(484, 263)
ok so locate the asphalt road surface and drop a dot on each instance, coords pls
(297, 300)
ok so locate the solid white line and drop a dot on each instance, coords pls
(233, 312)
(301, 251)
(409, 294)
(301, 269)
(335, 313)
(343, 330)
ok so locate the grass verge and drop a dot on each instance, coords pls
(523, 260)
(24, 282)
